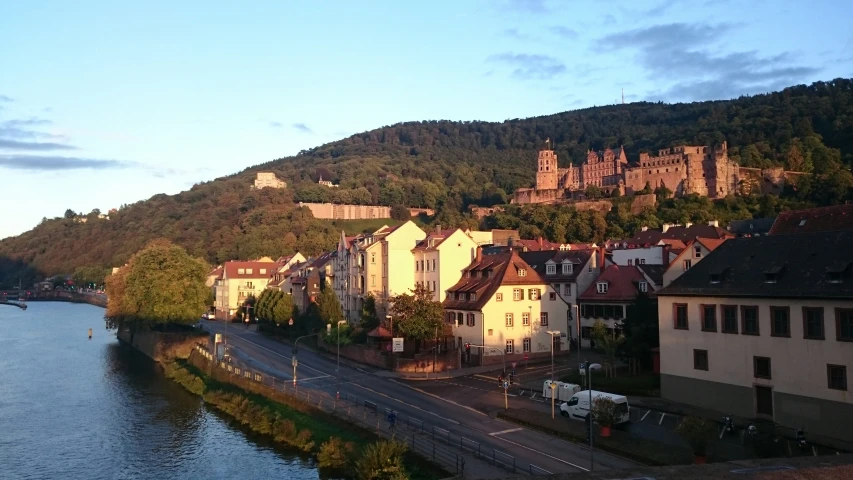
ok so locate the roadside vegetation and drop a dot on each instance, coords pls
(341, 449)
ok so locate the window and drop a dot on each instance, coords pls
(813, 323)
(508, 319)
(433, 264)
(697, 252)
(761, 367)
(729, 318)
(471, 322)
(416, 266)
(552, 295)
(517, 294)
(644, 286)
(373, 280)
(780, 322)
(700, 360)
(451, 295)
(472, 296)
(630, 262)
(543, 319)
(534, 294)
(249, 285)
(491, 332)
(522, 272)
(372, 258)
(709, 318)
(844, 324)
(749, 320)
(263, 271)
(525, 318)
(550, 269)
(499, 297)
(642, 261)
(679, 315)
(510, 346)
(836, 376)
(422, 267)
(567, 288)
(241, 271)
(249, 271)
(601, 287)
(525, 345)
(568, 268)
(687, 264)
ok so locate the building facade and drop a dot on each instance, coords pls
(763, 327)
(239, 281)
(268, 180)
(609, 296)
(440, 259)
(334, 211)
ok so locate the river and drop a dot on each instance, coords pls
(71, 407)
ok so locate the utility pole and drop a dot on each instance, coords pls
(295, 350)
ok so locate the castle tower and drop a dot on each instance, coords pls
(546, 175)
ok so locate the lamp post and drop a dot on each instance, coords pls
(338, 367)
(589, 367)
(294, 352)
(530, 324)
(552, 333)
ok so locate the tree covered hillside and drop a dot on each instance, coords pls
(451, 165)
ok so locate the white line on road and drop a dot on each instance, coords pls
(505, 431)
(276, 353)
(404, 403)
(661, 418)
(442, 399)
(543, 454)
(646, 415)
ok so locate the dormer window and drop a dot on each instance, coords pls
(834, 277)
(644, 286)
(263, 271)
(489, 272)
(770, 277)
(802, 222)
(601, 287)
(248, 271)
(550, 269)
(716, 277)
(772, 274)
(241, 271)
(835, 273)
(472, 296)
(568, 268)
(522, 272)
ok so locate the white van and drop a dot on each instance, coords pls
(577, 408)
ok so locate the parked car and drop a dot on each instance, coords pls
(577, 407)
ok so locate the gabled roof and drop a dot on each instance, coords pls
(654, 272)
(539, 260)
(538, 244)
(504, 268)
(741, 266)
(216, 272)
(232, 269)
(436, 238)
(622, 285)
(752, 226)
(824, 219)
(682, 233)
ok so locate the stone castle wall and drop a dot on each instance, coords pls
(333, 211)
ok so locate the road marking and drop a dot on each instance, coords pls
(543, 454)
(505, 431)
(274, 352)
(442, 399)
(487, 390)
(661, 418)
(406, 404)
(646, 415)
(491, 379)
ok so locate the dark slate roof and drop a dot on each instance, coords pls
(654, 272)
(801, 263)
(537, 261)
(685, 234)
(753, 226)
(823, 219)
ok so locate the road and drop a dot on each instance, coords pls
(454, 414)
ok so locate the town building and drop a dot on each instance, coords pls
(501, 303)
(440, 259)
(752, 227)
(569, 272)
(694, 253)
(609, 296)
(681, 233)
(239, 281)
(285, 265)
(822, 219)
(305, 280)
(326, 183)
(268, 180)
(763, 327)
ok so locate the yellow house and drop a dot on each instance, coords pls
(502, 304)
(240, 280)
(440, 259)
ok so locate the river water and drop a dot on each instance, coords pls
(74, 408)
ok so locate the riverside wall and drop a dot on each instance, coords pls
(162, 347)
(98, 300)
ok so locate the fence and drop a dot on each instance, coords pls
(367, 414)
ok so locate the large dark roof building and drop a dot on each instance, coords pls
(824, 219)
(684, 233)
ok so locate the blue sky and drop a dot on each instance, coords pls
(104, 103)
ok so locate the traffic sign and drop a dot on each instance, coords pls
(513, 366)
(290, 322)
(397, 344)
(525, 356)
(506, 385)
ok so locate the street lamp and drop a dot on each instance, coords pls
(338, 367)
(390, 324)
(530, 324)
(552, 333)
(589, 367)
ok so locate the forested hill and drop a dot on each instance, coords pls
(448, 166)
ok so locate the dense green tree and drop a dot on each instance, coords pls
(160, 285)
(400, 212)
(87, 277)
(282, 310)
(640, 328)
(70, 214)
(417, 316)
(369, 319)
(382, 460)
(328, 306)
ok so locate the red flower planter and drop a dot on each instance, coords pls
(605, 431)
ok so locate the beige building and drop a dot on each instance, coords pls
(608, 297)
(268, 180)
(379, 264)
(694, 252)
(240, 280)
(440, 259)
(503, 304)
(763, 327)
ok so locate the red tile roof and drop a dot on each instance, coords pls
(682, 233)
(216, 272)
(824, 219)
(504, 268)
(622, 285)
(232, 269)
(538, 245)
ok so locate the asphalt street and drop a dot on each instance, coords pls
(454, 408)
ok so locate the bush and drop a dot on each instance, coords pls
(335, 454)
(382, 461)
(697, 432)
(604, 411)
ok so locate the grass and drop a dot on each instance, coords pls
(296, 424)
(354, 227)
(643, 385)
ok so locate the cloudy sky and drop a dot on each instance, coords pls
(104, 103)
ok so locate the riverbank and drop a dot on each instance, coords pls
(297, 423)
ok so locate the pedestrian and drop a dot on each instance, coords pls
(392, 420)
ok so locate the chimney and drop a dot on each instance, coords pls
(600, 260)
(646, 228)
(438, 228)
(714, 223)
(509, 241)
(665, 227)
(540, 242)
(479, 256)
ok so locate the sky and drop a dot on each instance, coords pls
(107, 103)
